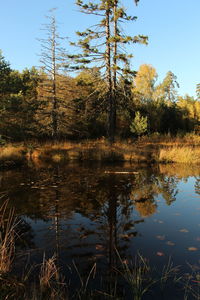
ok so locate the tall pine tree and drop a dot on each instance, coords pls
(100, 44)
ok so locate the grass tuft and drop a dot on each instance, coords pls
(180, 155)
(8, 224)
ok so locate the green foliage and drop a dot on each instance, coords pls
(139, 125)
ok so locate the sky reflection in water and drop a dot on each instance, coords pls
(83, 213)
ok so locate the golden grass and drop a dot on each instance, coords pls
(179, 154)
(48, 272)
(8, 223)
(146, 149)
(11, 152)
(154, 148)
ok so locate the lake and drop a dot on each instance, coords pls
(104, 215)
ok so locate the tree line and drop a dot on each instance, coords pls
(105, 98)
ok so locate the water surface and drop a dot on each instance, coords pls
(84, 212)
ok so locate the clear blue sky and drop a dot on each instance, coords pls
(173, 27)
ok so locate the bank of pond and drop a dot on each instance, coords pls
(148, 149)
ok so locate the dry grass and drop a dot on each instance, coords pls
(48, 272)
(8, 223)
(153, 148)
(11, 152)
(11, 155)
(180, 154)
(146, 149)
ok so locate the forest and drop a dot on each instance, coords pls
(93, 93)
(99, 168)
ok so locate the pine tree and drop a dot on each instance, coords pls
(198, 91)
(101, 45)
(53, 58)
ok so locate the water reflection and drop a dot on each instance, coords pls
(84, 213)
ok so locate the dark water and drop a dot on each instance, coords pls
(82, 213)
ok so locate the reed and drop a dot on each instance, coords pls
(137, 274)
(51, 284)
(182, 154)
(8, 234)
(152, 148)
(11, 155)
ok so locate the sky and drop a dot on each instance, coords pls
(172, 27)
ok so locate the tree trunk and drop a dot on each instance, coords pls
(115, 64)
(54, 98)
(109, 77)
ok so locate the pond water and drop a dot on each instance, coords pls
(82, 213)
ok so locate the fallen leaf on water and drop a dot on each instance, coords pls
(170, 243)
(192, 248)
(160, 253)
(160, 237)
(184, 230)
(99, 247)
(125, 261)
(83, 236)
(98, 256)
(160, 222)
(177, 214)
(198, 239)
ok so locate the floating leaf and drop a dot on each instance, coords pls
(160, 237)
(84, 236)
(161, 222)
(184, 230)
(125, 261)
(198, 239)
(160, 253)
(98, 255)
(177, 214)
(99, 247)
(170, 243)
(192, 248)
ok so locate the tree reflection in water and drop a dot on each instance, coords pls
(89, 213)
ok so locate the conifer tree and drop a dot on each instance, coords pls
(169, 86)
(53, 57)
(100, 44)
(198, 91)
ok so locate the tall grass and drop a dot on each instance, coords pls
(51, 284)
(180, 155)
(8, 225)
(11, 155)
(151, 148)
(137, 274)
